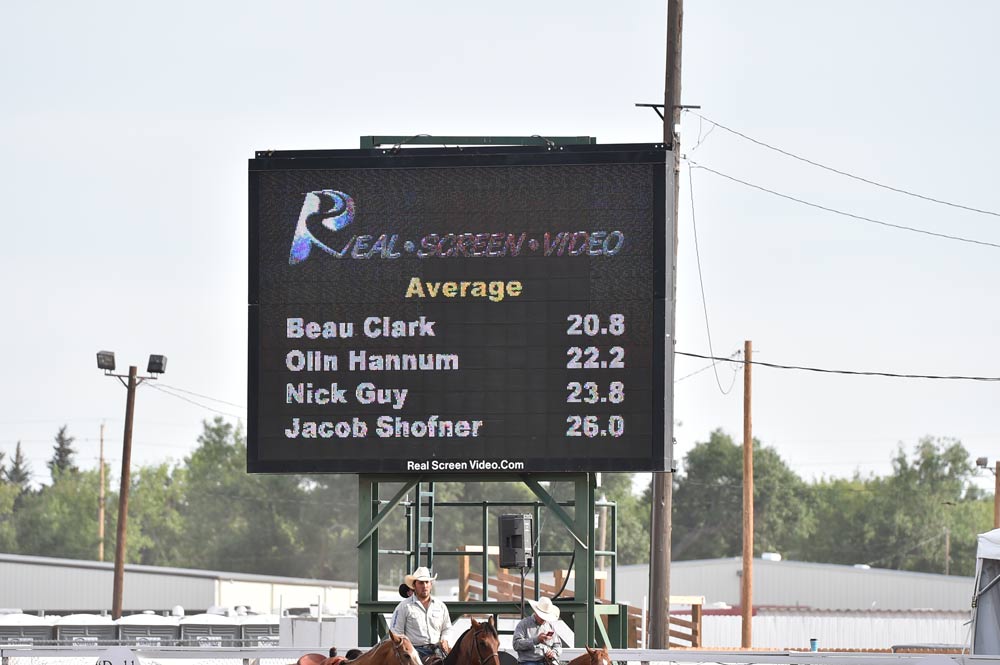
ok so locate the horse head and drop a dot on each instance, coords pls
(598, 656)
(403, 648)
(484, 645)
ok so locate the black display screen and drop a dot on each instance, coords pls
(490, 310)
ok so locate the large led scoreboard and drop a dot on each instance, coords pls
(461, 310)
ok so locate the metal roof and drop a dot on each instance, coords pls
(166, 570)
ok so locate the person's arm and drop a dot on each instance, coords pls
(445, 630)
(521, 640)
(397, 623)
(547, 640)
(555, 643)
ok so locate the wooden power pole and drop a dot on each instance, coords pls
(746, 580)
(119, 576)
(659, 558)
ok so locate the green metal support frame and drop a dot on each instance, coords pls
(580, 612)
(580, 525)
(426, 139)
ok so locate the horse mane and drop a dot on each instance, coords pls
(363, 658)
(452, 657)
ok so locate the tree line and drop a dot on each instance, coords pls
(206, 512)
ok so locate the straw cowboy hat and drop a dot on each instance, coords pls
(421, 574)
(545, 609)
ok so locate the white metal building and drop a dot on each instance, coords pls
(834, 629)
(35, 583)
(790, 584)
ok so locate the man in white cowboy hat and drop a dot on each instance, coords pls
(535, 638)
(423, 619)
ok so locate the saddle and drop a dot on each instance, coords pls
(436, 657)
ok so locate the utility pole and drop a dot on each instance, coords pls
(746, 579)
(116, 607)
(947, 551)
(106, 362)
(100, 504)
(660, 528)
(996, 496)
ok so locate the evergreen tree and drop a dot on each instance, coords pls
(60, 519)
(62, 455)
(19, 473)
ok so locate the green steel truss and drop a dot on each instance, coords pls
(580, 612)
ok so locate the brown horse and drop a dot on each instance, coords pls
(397, 650)
(592, 657)
(479, 645)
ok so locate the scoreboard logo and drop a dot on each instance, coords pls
(330, 209)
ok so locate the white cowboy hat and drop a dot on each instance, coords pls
(545, 609)
(421, 574)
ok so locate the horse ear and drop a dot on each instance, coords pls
(492, 621)
(589, 650)
(394, 637)
(475, 624)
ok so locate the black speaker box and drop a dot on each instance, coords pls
(515, 541)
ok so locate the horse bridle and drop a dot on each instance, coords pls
(402, 656)
(483, 661)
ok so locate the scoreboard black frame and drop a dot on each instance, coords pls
(461, 310)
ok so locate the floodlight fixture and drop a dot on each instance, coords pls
(982, 462)
(106, 360)
(157, 364)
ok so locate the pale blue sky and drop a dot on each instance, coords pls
(126, 129)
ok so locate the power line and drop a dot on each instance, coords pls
(702, 139)
(846, 371)
(191, 401)
(888, 557)
(701, 283)
(841, 212)
(843, 173)
(735, 354)
(213, 399)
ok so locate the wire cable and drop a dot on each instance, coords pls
(845, 214)
(917, 546)
(735, 354)
(702, 139)
(213, 399)
(846, 371)
(898, 190)
(165, 391)
(701, 283)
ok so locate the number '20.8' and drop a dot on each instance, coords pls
(591, 326)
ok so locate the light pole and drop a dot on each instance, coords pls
(983, 463)
(106, 362)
